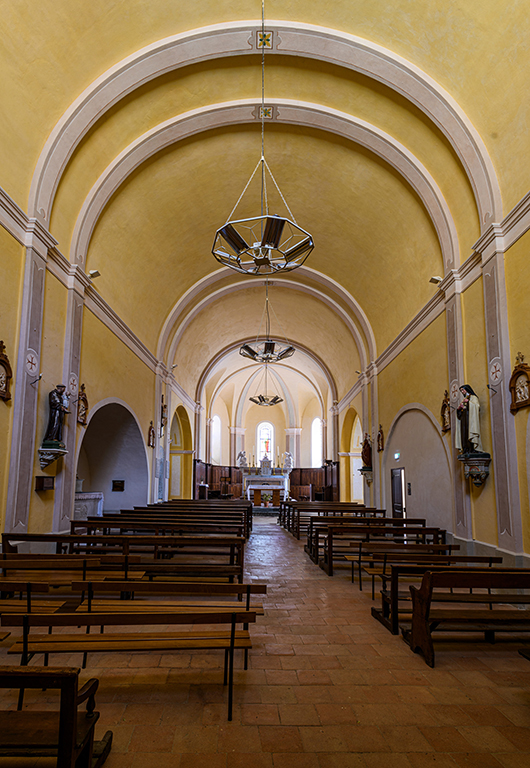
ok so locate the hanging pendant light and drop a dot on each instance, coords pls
(266, 399)
(267, 350)
(268, 243)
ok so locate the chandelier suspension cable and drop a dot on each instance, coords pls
(263, 184)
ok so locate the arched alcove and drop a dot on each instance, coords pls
(352, 486)
(113, 450)
(416, 440)
(180, 465)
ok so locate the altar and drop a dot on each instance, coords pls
(266, 479)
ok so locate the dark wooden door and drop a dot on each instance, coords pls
(398, 492)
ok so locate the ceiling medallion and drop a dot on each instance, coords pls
(265, 244)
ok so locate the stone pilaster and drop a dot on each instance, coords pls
(20, 484)
(452, 288)
(504, 450)
(78, 281)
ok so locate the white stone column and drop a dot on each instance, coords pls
(63, 509)
(371, 372)
(20, 483)
(208, 442)
(293, 440)
(452, 287)
(237, 443)
(504, 447)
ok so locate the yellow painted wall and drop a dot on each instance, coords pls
(109, 369)
(483, 507)
(418, 375)
(517, 273)
(12, 274)
(51, 366)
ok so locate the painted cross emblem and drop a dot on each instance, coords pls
(454, 390)
(265, 112)
(495, 372)
(32, 362)
(73, 384)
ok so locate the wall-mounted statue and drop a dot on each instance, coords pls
(288, 461)
(366, 452)
(151, 436)
(82, 407)
(467, 439)
(446, 413)
(163, 416)
(520, 384)
(380, 440)
(59, 401)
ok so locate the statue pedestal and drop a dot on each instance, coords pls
(476, 467)
(88, 504)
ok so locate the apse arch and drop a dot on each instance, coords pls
(203, 378)
(366, 346)
(112, 449)
(416, 436)
(289, 112)
(295, 39)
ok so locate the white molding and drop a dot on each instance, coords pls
(12, 217)
(290, 112)
(296, 39)
(517, 222)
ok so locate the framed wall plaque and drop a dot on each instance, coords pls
(520, 385)
(6, 374)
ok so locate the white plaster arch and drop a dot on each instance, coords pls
(330, 288)
(284, 391)
(291, 38)
(387, 458)
(203, 378)
(288, 112)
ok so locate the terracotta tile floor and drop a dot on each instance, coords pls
(327, 687)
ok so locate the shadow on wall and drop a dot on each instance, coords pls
(422, 454)
(113, 450)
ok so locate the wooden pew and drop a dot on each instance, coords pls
(68, 734)
(395, 596)
(220, 638)
(121, 524)
(337, 538)
(366, 550)
(301, 515)
(488, 612)
(318, 525)
(61, 570)
(198, 555)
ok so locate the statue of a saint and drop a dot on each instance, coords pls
(82, 406)
(151, 436)
(380, 440)
(467, 439)
(446, 413)
(58, 407)
(288, 460)
(242, 459)
(366, 452)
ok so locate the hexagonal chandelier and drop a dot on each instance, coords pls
(266, 350)
(265, 244)
(266, 399)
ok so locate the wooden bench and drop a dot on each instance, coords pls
(337, 539)
(488, 612)
(67, 733)
(220, 638)
(366, 550)
(318, 525)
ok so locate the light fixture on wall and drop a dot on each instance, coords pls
(266, 399)
(436, 279)
(266, 350)
(268, 243)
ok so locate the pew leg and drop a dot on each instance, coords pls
(225, 676)
(489, 636)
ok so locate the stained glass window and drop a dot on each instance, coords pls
(265, 441)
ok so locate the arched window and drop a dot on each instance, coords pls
(316, 443)
(265, 439)
(215, 436)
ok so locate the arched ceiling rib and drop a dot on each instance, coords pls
(293, 39)
(289, 112)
